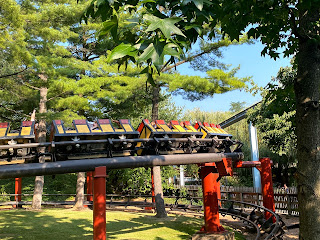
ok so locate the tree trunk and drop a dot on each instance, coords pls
(81, 176)
(160, 207)
(158, 192)
(39, 181)
(308, 131)
(80, 191)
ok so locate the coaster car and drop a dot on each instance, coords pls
(103, 138)
(13, 143)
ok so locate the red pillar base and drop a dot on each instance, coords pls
(17, 192)
(267, 186)
(152, 192)
(99, 204)
(89, 187)
(210, 188)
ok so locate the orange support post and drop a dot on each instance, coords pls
(210, 188)
(152, 191)
(89, 187)
(267, 187)
(17, 191)
(152, 187)
(99, 204)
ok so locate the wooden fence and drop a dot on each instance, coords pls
(286, 200)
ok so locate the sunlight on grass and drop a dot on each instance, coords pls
(51, 224)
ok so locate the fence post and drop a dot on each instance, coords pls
(289, 204)
(99, 204)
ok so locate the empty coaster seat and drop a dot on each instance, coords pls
(25, 134)
(103, 137)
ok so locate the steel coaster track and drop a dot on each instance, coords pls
(272, 226)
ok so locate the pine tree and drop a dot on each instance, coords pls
(57, 82)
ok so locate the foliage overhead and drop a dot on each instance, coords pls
(165, 31)
(172, 27)
(275, 115)
(44, 46)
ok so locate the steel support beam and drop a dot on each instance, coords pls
(255, 157)
(182, 183)
(153, 199)
(90, 186)
(17, 191)
(267, 186)
(211, 191)
(238, 117)
(85, 165)
(99, 204)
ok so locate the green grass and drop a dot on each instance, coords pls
(52, 224)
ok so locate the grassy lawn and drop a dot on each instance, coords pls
(52, 224)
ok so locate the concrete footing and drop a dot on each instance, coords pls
(214, 236)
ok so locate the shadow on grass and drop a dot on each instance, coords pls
(159, 228)
(67, 224)
(39, 225)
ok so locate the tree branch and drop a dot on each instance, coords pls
(189, 59)
(292, 19)
(59, 95)
(13, 74)
(30, 86)
(14, 111)
(13, 93)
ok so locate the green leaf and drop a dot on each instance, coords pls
(148, 1)
(149, 71)
(110, 26)
(149, 53)
(170, 49)
(185, 2)
(121, 51)
(145, 70)
(165, 25)
(198, 3)
(156, 53)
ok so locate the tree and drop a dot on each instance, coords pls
(236, 107)
(62, 81)
(292, 25)
(150, 50)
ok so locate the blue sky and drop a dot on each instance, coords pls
(251, 64)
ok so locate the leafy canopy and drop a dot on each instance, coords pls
(181, 23)
(164, 29)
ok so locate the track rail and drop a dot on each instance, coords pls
(272, 226)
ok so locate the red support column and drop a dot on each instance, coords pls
(219, 192)
(266, 184)
(99, 204)
(17, 191)
(89, 186)
(152, 187)
(152, 192)
(210, 199)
